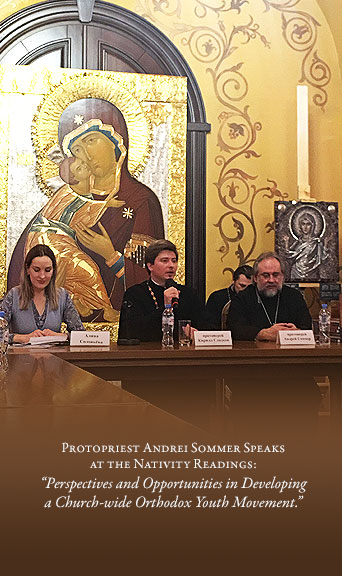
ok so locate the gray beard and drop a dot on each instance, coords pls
(270, 292)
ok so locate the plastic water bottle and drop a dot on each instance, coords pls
(168, 322)
(324, 325)
(4, 333)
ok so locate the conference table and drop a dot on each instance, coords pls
(55, 422)
(200, 384)
(81, 396)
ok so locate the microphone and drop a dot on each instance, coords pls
(170, 282)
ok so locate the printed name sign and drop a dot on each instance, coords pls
(80, 338)
(297, 337)
(213, 338)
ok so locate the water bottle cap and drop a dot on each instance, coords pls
(167, 305)
(2, 314)
(324, 306)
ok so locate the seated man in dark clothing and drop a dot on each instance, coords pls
(141, 318)
(267, 306)
(143, 304)
(242, 278)
(271, 399)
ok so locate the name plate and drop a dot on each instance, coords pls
(296, 337)
(213, 338)
(81, 338)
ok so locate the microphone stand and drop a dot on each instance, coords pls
(126, 311)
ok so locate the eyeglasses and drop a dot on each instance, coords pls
(267, 275)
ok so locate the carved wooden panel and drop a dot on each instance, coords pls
(53, 46)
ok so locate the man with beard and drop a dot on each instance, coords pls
(267, 306)
(264, 401)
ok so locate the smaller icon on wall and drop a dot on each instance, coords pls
(306, 237)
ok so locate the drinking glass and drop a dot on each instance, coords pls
(184, 332)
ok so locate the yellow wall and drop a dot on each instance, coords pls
(247, 68)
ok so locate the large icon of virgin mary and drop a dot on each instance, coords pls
(100, 218)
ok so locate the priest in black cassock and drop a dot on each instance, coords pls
(143, 304)
(270, 402)
(264, 308)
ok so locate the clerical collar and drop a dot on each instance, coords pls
(156, 283)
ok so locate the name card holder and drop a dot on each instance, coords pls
(296, 338)
(81, 338)
(213, 338)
